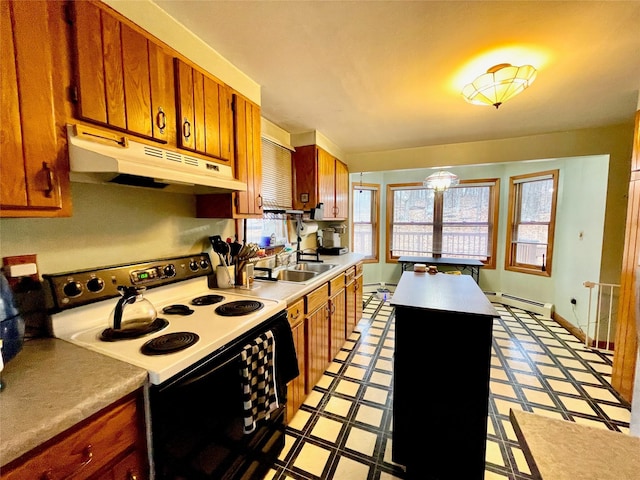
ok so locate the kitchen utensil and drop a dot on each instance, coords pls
(220, 247)
(132, 311)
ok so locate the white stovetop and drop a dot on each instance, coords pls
(84, 325)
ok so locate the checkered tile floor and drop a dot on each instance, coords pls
(343, 430)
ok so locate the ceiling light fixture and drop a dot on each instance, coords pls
(441, 180)
(499, 84)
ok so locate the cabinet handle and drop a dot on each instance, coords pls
(161, 119)
(259, 201)
(87, 453)
(132, 475)
(50, 179)
(186, 128)
(296, 316)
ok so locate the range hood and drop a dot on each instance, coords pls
(96, 156)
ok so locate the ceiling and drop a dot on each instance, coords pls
(382, 75)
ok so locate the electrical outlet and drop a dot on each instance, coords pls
(574, 301)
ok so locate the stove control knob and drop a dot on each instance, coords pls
(193, 266)
(72, 289)
(204, 264)
(169, 270)
(95, 285)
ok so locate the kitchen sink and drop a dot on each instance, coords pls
(295, 275)
(314, 267)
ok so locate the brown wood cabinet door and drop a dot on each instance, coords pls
(326, 183)
(350, 308)
(337, 322)
(317, 346)
(248, 156)
(342, 190)
(121, 75)
(33, 166)
(204, 113)
(296, 389)
(359, 288)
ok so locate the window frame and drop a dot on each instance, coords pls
(494, 206)
(515, 187)
(375, 219)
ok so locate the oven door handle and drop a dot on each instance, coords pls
(191, 380)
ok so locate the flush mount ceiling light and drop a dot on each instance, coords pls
(499, 84)
(441, 180)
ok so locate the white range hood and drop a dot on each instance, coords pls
(96, 156)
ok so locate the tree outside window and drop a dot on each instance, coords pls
(532, 210)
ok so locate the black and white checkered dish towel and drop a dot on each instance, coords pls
(257, 370)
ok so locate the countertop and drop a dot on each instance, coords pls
(291, 291)
(563, 450)
(52, 385)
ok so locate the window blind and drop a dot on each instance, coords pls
(276, 176)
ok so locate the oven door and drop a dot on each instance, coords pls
(197, 421)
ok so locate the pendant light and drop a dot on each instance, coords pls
(441, 180)
(499, 84)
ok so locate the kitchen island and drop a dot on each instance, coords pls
(441, 376)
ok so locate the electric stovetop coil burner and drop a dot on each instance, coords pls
(207, 299)
(169, 343)
(112, 335)
(239, 308)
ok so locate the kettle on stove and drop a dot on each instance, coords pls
(132, 311)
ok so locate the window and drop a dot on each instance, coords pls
(366, 215)
(276, 195)
(459, 222)
(532, 210)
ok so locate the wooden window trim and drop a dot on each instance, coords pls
(375, 221)
(510, 247)
(494, 205)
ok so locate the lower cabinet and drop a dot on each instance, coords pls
(296, 389)
(109, 445)
(337, 316)
(317, 335)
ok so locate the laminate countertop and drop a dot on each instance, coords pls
(51, 385)
(563, 450)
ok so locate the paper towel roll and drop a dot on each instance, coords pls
(307, 228)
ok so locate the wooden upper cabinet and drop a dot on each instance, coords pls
(342, 191)
(635, 159)
(321, 178)
(247, 168)
(248, 155)
(33, 163)
(204, 113)
(123, 80)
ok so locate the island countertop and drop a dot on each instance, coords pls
(563, 450)
(442, 293)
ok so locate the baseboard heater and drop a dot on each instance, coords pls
(544, 309)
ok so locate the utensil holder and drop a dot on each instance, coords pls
(225, 276)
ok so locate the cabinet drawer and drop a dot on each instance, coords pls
(316, 298)
(336, 284)
(295, 312)
(349, 275)
(85, 450)
(358, 268)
